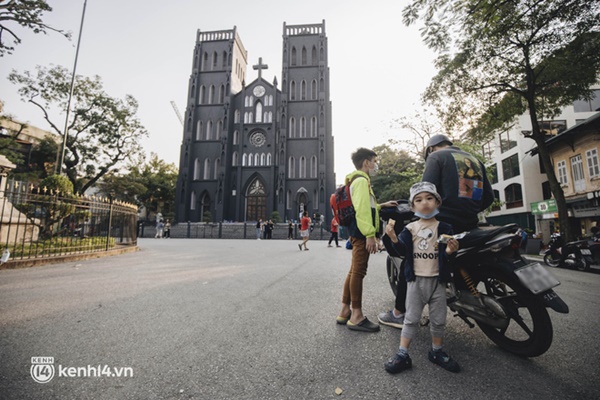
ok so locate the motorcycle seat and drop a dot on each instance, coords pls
(479, 236)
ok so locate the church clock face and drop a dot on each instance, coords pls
(259, 91)
(258, 139)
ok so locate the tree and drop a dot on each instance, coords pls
(398, 171)
(499, 59)
(149, 184)
(103, 132)
(28, 14)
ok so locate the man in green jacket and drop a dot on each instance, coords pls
(362, 237)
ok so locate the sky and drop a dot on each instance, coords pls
(378, 67)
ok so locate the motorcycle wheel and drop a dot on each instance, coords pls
(582, 264)
(550, 260)
(392, 272)
(529, 330)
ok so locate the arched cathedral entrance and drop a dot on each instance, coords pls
(256, 201)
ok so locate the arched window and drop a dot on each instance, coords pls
(199, 131)
(209, 128)
(263, 159)
(302, 127)
(293, 60)
(313, 91)
(219, 129)
(313, 126)
(202, 95)
(303, 90)
(236, 117)
(193, 200)
(206, 168)
(292, 127)
(259, 108)
(236, 137)
(224, 59)
(288, 199)
(217, 167)
(313, 58)
(214, 63)
(322, 54)
(269, 160)
(204, 206)
(313, 167)
(302, 168)
(196, 169)
(291, 168)
(250, 160)
(256, 159)
(512, 195)
(222, 94)
(205, 61)
(250, 117)
(211, 94)
(292, 90)
(244, 160)
(304, 61)
(234, 159)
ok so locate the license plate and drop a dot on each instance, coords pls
(536, 278)
(586, 252)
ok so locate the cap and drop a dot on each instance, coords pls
(421, 187)
(433, 141)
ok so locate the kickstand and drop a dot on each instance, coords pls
(464, 318)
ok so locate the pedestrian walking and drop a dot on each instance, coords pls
(304, 230)
(334, 232)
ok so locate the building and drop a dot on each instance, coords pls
(575, 155)
(250, 149)
(24, 137)
(520, 182)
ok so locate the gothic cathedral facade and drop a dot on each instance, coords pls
(251, 149)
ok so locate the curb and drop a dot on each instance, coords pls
(36, 262)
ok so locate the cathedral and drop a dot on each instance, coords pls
(250, 149)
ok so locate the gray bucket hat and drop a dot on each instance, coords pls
(421, 187)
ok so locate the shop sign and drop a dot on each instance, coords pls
(585, 212)
(544, 207)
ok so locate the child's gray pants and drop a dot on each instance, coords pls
(425, 290)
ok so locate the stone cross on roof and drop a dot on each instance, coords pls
(260, 66)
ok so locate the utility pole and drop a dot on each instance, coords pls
(60, 156)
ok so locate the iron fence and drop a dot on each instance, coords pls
(42, 223)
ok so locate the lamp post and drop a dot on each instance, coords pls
(60, 155)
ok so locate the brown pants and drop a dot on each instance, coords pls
(353, 285)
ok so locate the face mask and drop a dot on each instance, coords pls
(427, 216)
(374, 170)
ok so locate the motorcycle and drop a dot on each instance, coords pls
(574, 255)
(492, 285)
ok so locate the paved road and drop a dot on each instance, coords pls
(234, 319)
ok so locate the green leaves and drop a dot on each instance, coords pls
(103, 132)
(24, 13)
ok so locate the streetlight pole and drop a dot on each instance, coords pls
(60, 155)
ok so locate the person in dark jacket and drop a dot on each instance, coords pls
(460, 180)
(465, 190)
